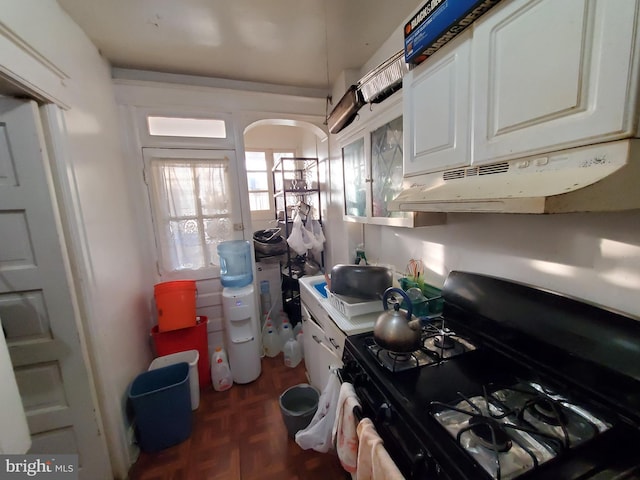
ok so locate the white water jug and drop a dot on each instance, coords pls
(270, 341)
(221, 376)
(292, 353)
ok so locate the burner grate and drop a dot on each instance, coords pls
(438, 343)
(515, 428)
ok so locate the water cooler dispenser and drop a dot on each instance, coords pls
(239, 310)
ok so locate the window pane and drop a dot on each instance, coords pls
(186, 127)
(355, 174)
(277, 156)
(256, 161)
(191, 208)
(186, 248)
(257, 181)
(213, 189)
(386, 167)
(216, 230)
(174, 184)
(259, 201)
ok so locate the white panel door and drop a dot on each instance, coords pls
(36, 304)
(552, 74)
(437, 110)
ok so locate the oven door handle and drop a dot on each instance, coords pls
(385, 415)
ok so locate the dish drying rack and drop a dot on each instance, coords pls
(352, 307)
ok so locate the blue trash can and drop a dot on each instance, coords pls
(161, 402)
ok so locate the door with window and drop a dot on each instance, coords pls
(195, 205)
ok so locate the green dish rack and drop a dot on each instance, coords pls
(433, 303)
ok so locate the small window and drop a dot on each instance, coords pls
(260, 182)
(191, 209)
(186, 127)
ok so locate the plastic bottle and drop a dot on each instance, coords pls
(220, 372)
(285, 333)
(297, 329)
(300, 339)
(292, 355)
(282, 319)
(270, 341)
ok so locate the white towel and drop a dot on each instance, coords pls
(344, 435)
(14, 432)
(318, 435)
(374, 462)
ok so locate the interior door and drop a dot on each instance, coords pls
(37, 307)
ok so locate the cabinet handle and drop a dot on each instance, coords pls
(334, 343)
(316, 339)
(368, 180)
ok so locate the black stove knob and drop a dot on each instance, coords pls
(350, 366)
(384, 413)
(360, 378)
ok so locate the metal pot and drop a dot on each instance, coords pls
(397, 330)
(360, 281)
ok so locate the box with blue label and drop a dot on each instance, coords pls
(438, 22)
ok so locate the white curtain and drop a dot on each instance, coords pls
(191, 209)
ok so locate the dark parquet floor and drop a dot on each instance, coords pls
(239, 434)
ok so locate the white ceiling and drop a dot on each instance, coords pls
(282, 42)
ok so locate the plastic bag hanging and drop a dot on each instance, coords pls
(318, 236)
(300, 239)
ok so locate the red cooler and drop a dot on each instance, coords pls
(190, 338)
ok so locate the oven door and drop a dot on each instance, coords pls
(403, 445)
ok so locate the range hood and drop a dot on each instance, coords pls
(600, 177)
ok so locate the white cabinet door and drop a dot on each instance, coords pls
(318, 356)
(551, 74)
(437, 110)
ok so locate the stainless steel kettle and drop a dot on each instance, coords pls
(396, 330)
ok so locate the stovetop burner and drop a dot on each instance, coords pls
(517, 428)
(438, 343)
(489, 433)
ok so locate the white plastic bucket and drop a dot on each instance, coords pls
(191, 357)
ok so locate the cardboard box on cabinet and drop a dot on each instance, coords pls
(437, 22)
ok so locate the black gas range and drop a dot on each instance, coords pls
(511, 381)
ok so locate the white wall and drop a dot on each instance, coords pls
(592, 256)
(115, 288)
(275, 136)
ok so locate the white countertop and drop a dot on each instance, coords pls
(350, 326)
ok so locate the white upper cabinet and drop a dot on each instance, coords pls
(552, 74)
(373, 159)
(528, 77)
(436, 110)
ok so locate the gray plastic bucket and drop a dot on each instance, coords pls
(298, 405)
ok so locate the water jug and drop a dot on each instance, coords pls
(292, 355)
(220, 372)
(286, 333)
(300, 339)
(235, 263)
(270, 341)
